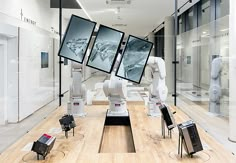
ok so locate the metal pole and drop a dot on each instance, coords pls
(175, 50)
(60, 33)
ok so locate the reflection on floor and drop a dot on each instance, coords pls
(196, 95)
(192, 93)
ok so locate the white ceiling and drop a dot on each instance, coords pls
(140, 17)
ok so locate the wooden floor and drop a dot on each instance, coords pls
(85, 145)
(117, 139)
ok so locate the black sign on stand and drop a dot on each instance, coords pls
(67, 123)
(189, 138)
(43, 145)
(167, 119)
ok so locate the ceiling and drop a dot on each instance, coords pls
(137, 18)
(72, 4)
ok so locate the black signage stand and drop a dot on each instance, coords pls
(180, 145)
(163, 128)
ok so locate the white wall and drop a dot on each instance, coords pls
(37, 10)
(12, 79)
(9, 74)
(35, 83)
(3, 48)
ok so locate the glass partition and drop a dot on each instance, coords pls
(203, 72)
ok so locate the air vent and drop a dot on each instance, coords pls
(119, 25)
(118, 2)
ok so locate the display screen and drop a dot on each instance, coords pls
(105, 49)
(44, 59)
(134, 59)
(76, 40)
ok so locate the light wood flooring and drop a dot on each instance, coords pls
(85, 146)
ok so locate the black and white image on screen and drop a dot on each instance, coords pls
(134, 59)
(76, 39)
(105, 48)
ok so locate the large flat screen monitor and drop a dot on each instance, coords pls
(134, 59)
(76, 39)
(105, 49)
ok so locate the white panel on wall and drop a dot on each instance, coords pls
(66, 77)
(9, 73)
(35, 83)
(56, 67)
(12, 79)
(3, 72)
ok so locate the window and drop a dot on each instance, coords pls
(222, 8)
(160, 41)
(190, 20)
(180, 25)
(204, 13)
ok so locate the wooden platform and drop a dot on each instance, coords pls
(85, 145)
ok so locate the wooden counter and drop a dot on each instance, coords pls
(84, 146)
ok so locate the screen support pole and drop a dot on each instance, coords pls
(175, 50)
(60, 61)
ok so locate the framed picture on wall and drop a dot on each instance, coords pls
(188, 59)
(105, 49)
(76, 39)
(44, 59)
(134, 59)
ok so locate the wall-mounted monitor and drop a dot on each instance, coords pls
(105, 49)
(76, 39)
(134, 59)
(44, 59)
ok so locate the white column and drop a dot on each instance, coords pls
(169, 52)
(151, 38)
(232, 71)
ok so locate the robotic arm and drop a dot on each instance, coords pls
(116, 91)
(158, 91)
(215, 90)
(218, 85)
(77, 91)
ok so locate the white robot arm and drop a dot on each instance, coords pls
(116, 91)
(77, 91)
(218, 84)
(215, 90)
(158, 91)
